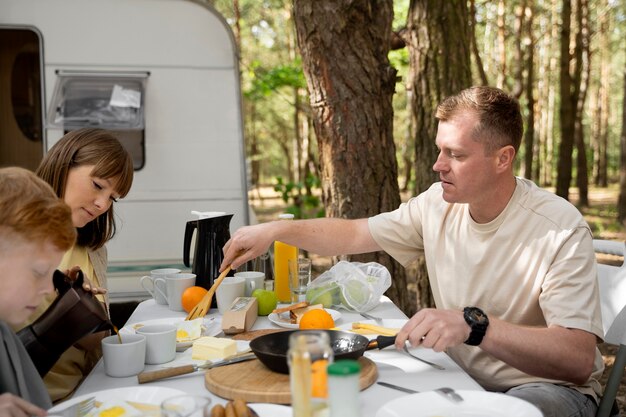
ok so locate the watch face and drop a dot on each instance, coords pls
(478, 315)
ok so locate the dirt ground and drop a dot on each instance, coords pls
(600, 216)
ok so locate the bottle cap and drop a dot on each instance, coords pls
(286, 216)
(344, 367)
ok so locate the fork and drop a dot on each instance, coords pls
(79, 409)
(434, 365)
(450, 394)
(378, 320)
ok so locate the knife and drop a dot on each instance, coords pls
(399, 388)
(163, 373)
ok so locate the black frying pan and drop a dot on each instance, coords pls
(271, 349)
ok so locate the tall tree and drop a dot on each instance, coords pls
(621, 205)
(582, 176)
(439, 48)
(570, 90)
(344, 46)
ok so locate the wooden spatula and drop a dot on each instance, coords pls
(204, 305)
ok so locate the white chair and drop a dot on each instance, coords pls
(612, 285)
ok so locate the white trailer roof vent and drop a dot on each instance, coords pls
(108, 100)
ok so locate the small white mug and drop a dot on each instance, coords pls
(174, 285)
(160, 342)
(254, 280)
(147, 282)
(229, 289)
(126, 359)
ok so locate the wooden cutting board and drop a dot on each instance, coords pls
(253, 382)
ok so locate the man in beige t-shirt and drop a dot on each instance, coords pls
(511, 266)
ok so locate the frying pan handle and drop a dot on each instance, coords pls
(384, 341)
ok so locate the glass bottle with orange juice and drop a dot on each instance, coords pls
(282, 254)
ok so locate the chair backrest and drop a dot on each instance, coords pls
(612, 287)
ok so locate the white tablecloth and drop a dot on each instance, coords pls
(414, 375)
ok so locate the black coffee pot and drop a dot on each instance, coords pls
(75, 313)
(212, 233)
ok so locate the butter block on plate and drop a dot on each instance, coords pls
(208, 348)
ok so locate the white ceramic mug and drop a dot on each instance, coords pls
(174, 286)
(147, 282)
(160, 342)
(254, 280)
(229, 289)
(126, 359)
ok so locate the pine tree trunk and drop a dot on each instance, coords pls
(344, 46)
(567, 108)
(439, 50)
(621, 204)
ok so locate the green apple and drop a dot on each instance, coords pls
(267, 301)
(328, 295)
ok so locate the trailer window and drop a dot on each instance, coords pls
(21, 108)
(107, 100)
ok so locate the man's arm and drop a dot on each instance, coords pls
(554, 352)
(321, 236)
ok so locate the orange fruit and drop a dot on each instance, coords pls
(316, 319)
(191, 297)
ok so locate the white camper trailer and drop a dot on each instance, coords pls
(164, 75)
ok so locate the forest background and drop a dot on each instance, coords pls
(339, 99)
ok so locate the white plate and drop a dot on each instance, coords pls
(212, 327)
(389, 323)
(474, 404)
(271, 410)
(148, 395)
(282, 319)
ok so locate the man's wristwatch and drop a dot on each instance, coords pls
(478, 321)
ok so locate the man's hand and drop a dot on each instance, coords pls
(434, 329)
(247, 243)
(14, 406)
(87, 285)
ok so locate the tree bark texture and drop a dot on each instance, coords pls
(440, 65)
(621, 204)
(344, 46)
(567, 109)
(439, 50)
(529, 135)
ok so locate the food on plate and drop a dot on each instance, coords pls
(234, 408)
(209, 347)
(366, 328)
(316, 319)
(267, 301)
(114, 408)
(296, 315)
(191, 297)
(290, 307)
(189, 330)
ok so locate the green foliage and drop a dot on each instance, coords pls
(264, 82)
(303, 204)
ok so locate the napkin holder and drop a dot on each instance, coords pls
(74, 314)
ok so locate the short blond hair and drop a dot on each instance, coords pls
(30, 209)
(499, 116)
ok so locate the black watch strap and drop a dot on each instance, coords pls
(478, 322)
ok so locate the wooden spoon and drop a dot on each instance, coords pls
(204, 305)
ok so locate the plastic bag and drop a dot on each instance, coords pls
(352, 285)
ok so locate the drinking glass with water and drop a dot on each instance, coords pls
(299, 278)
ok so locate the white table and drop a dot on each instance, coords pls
(414, 375)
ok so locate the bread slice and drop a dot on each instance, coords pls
(290, 307)
(296, 314)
